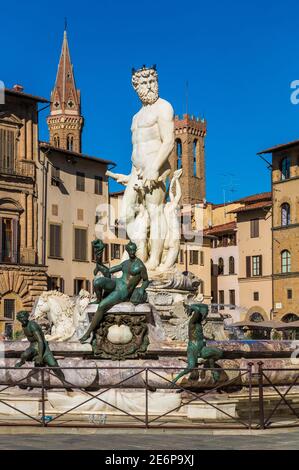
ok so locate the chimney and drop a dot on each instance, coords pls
(18, 88)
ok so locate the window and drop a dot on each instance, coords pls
(178, 144)
(221, 300)
(7, 150)
(55, 241)
(80, 181)
(285, 261)
(256, 296)
(254, 228)
(193, 256)
(78, 285)
(248, 266)
(56, 141)
(220, 266)
(232, 299)
(289, 294)
(9, 240)
(256, 317)
(290, 317)
(56, 283)
(80, 244)
(285, 166)
(98, 185)
(194, 157)
(181, 256)
(9, 309)
(202, 258)
(55, 176)
(115, 251)
(231, 263)
(70, 142)
(257, 265)
(285, 214)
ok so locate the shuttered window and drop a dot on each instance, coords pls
(193, 256)
(9, 309)
(9, 240)
(98, 185)
(221, 300)
(80, 244)
(115, 251)
(55, 241)
(80, 181)
(248, 266)
(232, 299)
(254, 228)
(7, 150)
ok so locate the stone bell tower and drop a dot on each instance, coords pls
(65, 122)
(189, 154)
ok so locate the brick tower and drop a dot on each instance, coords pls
(189, 154)
(65, 122)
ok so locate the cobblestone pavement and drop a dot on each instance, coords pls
(161, 440)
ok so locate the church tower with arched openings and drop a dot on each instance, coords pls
(65, 122)
(189, 154)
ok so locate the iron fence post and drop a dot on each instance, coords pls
(146, 397)
(261, 395)
(249, 367)
(43, 398)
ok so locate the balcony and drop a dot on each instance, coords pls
(20, 168)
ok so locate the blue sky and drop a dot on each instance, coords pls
(239, 59)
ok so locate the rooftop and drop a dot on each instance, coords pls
(223, 228)
(47, 146)
(9, 91)
(252, 207)
(248, 199)
(279, 147)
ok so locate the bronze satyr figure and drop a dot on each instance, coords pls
(197, 344)
(38, 351)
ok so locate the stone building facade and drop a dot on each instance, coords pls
(285, 230)
(254, 223)
(22, 273)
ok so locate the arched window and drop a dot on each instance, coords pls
(56, 141)
(290, 317)
(231, 265)
(256, 317)
(285, 261)
(178, 144)
(285, 214)
(194, 157)
(285, 168)
(70, 142)
(220, 266)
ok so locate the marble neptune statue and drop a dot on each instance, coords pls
(153, 140)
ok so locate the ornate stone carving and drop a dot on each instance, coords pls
(106, 345)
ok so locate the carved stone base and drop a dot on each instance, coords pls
(124, 332)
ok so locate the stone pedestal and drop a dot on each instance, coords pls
(123, 332)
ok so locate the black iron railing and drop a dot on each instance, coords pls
(254, 409)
